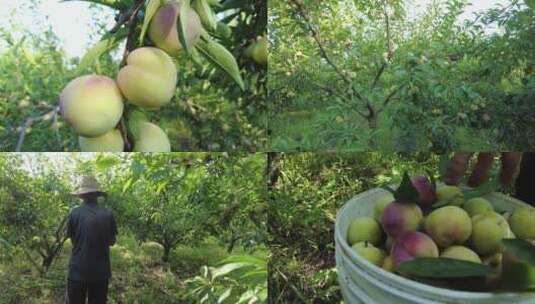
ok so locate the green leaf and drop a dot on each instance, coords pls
(214, 3)
(104, 163)
(127, 185)
(222, 58)
(487, 187)
(136, 117)
(224, 295)
(227, 268)
(100, 48)
(5, 243)
(443, 165)
(443, 268)
(530, 4)
(521, 249)
(183, 24)
(206, 14)
(152, 8)
(406, 191)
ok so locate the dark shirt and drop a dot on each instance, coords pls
(92, 230)
(525, 183)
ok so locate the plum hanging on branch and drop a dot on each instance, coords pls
(93, 105)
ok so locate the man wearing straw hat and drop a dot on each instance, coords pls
(92, 230)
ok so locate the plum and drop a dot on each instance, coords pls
(477, 205)
(149, 78)
(92, 105)
(450, 195)
(460, 253)
(364, 229)
(413, 244)
(487, 233)
(371, 253)
(380, 205)
(109, 142)
(448, 225)
(400, 217)
(523, 223)
(426, 191)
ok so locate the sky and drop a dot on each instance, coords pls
(61, 160)
(71, 21)
(476, 6)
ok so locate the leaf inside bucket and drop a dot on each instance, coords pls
(521, 249)
(443, 268)
(406, 191)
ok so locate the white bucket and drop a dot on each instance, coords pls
(363, 282)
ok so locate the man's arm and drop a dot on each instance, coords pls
(113, 232)
(69, 227)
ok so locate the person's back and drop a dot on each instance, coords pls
(92, 231)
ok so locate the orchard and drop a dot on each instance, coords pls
(401, 75)
(191, 225)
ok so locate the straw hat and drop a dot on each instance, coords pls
(89, 184)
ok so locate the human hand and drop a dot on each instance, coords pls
(459, 164)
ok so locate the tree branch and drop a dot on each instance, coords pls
(28, 123)
(130, 45)
(315, 34)
(389, 98)
(389, 47)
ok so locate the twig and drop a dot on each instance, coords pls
(131, 31)
(315, 34)
(389, 98)
(28, 123)
(130, 44)
(390, 51)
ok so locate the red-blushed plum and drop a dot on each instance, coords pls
(163, 28)
(400, 217)
(426, 191)
(413, 244)
(92, 105)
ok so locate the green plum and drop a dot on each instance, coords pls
(451, 195)
(477, 205)
(364, 229)
(487, 233)
(448, 225)
(523, 223)
(371, 253)
(460, 253)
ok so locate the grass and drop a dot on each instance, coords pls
(138, 275)
(317, 127)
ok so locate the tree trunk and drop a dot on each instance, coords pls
(372, 123)
(232, 244)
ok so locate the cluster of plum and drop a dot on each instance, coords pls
(439, 223)
(93, 104)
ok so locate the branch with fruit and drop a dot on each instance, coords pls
(110, 115)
